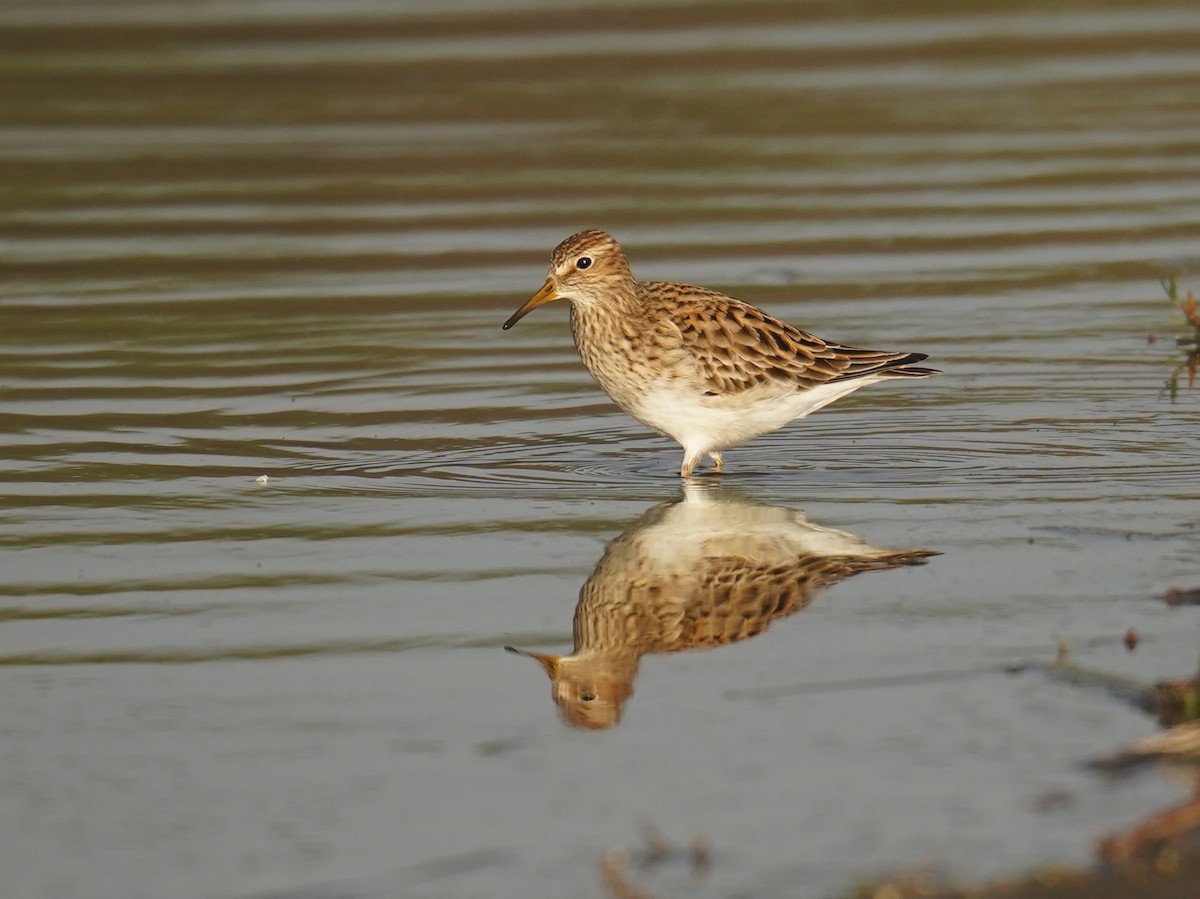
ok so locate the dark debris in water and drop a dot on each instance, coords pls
(1177, 596)
(1170, 875)
(1173, 701)
(1158, 858)
(1170, 701)
(1180, 743)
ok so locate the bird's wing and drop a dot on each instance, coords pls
(737, 347)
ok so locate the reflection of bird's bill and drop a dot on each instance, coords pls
(549, 662)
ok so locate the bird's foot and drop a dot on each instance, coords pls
(690, 463)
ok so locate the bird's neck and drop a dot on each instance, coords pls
(619, 314)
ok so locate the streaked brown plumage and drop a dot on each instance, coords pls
(705, 369)
(711, 570)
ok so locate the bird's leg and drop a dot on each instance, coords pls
(689, 464)
(718, 461)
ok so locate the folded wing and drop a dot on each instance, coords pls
(737, 348)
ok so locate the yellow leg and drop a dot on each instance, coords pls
(689, 465)
(718, 460)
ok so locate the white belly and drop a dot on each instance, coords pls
(705, 424)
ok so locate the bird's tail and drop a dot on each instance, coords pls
(910, 371)
(880, 365)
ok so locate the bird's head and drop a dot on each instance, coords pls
(588, 268)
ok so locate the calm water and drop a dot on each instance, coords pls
(279, 238)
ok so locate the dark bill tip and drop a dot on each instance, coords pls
(517, 316)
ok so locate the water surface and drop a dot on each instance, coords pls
(279, 239)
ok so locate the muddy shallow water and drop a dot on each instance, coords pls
(279, 239)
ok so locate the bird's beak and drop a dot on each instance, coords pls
(548, 293)
(550, 663)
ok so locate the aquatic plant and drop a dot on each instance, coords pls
(1191, 314)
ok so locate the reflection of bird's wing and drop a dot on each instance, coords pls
(714, 569)
(736, 347)
(735, 598)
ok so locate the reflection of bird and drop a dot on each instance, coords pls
(706, 370)
(691, 575)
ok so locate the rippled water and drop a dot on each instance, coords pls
(279, 238)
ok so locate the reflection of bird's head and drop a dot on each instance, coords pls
(590, 692)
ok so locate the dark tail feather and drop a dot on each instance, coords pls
(911, 371)
(889, 365)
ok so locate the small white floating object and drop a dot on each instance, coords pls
(262, 479)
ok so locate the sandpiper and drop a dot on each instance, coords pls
(705, 369)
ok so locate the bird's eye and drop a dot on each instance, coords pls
(587, 697)
(583, 262)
